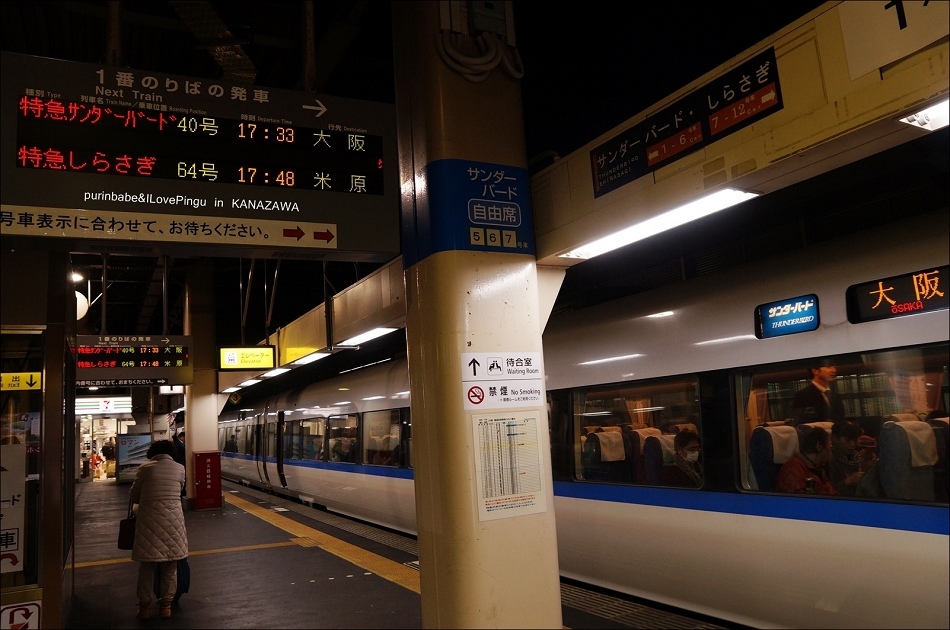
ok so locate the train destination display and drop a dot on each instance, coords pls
(92, 151)
(898, 296)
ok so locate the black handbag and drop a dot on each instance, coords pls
(127, 530)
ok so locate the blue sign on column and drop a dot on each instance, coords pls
(468, 205)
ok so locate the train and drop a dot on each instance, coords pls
(720, 356)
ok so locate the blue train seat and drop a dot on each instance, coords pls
(606, 456)
(908, 456)
(658, 458)
(769, 448)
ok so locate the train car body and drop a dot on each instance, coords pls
(626, 377)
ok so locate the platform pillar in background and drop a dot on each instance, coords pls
(481, 448)
(201, 407)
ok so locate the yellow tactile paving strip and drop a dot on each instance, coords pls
(305, 536)
(309, 537)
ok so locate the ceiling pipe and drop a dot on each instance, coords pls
(114, 33)
(213, 34)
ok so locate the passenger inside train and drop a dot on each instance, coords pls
(805, 472)
(688, 470)
(846, 467)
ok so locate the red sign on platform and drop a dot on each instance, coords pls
(207, 480)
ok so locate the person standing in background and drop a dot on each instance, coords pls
(180, 448)
(180, 455)
(817, 401)
(160, 536)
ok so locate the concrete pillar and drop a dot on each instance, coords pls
(481, 452)
(201, 409)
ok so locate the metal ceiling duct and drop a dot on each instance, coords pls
(212, 33)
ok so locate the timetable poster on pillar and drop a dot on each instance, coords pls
(508, 465)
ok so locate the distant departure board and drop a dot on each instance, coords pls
(129, 360)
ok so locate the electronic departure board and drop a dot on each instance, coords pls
(91, 151)
(129, 360)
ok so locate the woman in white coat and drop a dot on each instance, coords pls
(160, 536)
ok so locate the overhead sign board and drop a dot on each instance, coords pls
(131, 360)
(97, 152)
(723, 106)
(247, 358)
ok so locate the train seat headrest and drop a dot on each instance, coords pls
(903, 417)
(827, 425)
(611, 446)
(920, 439)
(644, 434)
(784, 443)
(666, 446)
(683, 426)
(612, 429)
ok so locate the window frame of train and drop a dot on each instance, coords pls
(380, 428)
(348, 426)
(669, 405)
(304, 432)
(876, 387)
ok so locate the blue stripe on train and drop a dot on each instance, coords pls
(914, 518)
(927, 519)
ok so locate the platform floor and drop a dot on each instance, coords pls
(266, 562)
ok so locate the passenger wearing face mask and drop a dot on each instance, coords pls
(686, 451)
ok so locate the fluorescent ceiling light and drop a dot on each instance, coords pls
(933, 118)
(310, 358)
(373, 397)
(668, 220)
(230, 390)
(661, 314)
(275, 372)
(342, 402)
(710, 342)
(250, 381)
(609, 359)
(373, 334)
(361, 367)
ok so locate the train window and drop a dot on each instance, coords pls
(382, 434)
(645, 433)
(312, 431)
(884, 420)
(292, 444)
(229, 438)
(342, 438)
(270, 437)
